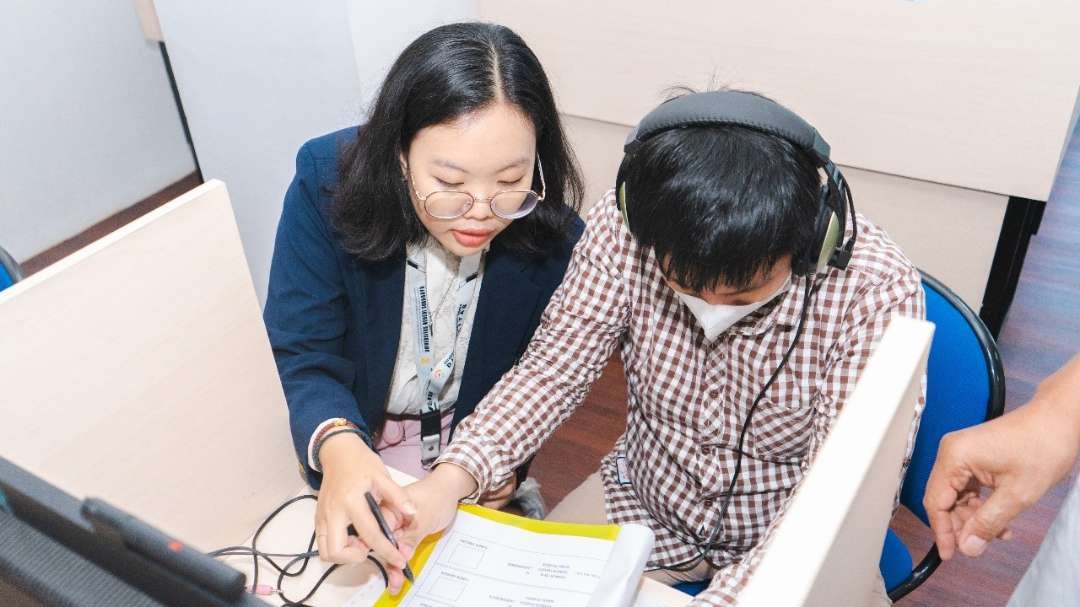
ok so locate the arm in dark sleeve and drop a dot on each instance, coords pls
(305, 316)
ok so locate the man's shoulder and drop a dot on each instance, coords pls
(606, 233)
(605, 211)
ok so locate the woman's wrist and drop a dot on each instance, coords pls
(343, 447)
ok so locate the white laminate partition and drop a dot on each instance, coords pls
(138, 370)
(598, 146)
(947, 109)
(950, 232)
(826, 549)
(969, 93)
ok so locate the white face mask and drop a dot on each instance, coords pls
(717, 318)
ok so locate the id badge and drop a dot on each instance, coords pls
(622, 470)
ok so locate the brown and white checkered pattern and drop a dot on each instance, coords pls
(688, 397)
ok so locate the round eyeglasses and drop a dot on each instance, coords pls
(508, 204)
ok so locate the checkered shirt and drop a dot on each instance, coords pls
(687, 397)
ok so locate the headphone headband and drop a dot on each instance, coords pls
(730, 107)
(749, 110)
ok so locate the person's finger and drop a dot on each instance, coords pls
(990, 520)
(395, 521)
(338, 547)
(320, 535)
(357, 543)
(939, 511)
(950, 482)
(958, 517)
(396, 577)
(395, 580)
(390, 494)
(367, 529)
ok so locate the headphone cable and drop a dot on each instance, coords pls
(729, 492)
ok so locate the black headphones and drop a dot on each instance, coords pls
(753, 111)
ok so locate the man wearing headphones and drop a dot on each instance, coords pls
(745, 296)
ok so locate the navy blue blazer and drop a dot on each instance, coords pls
(334, 321)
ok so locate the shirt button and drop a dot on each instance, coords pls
(705, 450)
(708, 503)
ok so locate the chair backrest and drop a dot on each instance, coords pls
(10, 272)
(965, 383)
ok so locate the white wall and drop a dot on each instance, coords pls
(898, 204)
(88, 125)
(965, 93)
(259, 78)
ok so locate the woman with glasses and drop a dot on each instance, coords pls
(413, 259)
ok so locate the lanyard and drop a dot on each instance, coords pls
(432, 374)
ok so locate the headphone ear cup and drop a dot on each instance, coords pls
(621, 196)
(830, 240)
(814, 258)
(620, 190)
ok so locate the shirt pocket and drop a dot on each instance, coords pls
(783, 424)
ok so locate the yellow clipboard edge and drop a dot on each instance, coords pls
(426, 547)
(600, 532)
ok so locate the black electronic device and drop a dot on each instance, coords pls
(57, 550)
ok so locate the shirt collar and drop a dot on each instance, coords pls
(420, 255)
(782, 312)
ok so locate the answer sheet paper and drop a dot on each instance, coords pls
(480, 562)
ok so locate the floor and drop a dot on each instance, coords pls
(1040, 334)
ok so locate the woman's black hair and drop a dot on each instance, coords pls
(446, 73)
(719, 204)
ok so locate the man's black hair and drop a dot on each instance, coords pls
(720, 204)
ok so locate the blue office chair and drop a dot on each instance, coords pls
(10, 272)
(965, 385)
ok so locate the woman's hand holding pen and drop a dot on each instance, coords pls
(436, 498)
(351, 469)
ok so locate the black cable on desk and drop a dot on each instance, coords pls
(286, 570)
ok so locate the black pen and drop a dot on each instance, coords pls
(377, 512)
